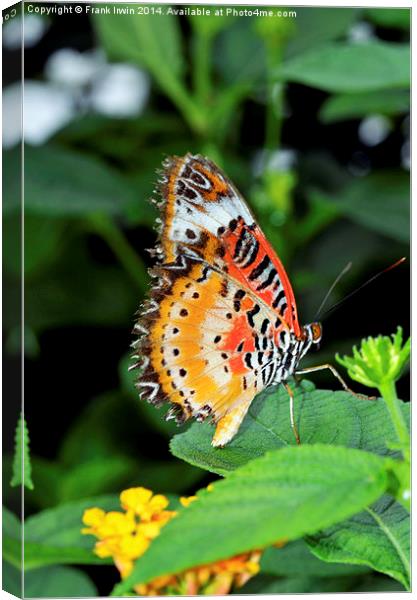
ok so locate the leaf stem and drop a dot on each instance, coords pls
(275, 101)
(201, 67)
(389, 393)
(132, 263)
(193, 114)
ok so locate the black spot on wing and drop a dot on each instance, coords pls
(260, 268)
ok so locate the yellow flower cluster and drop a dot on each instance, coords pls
(215, 579)
(125, 536)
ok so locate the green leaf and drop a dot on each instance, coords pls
(61, 182)
(105, 427)
(147, 40)
(283, 495)
(295, 559)
(210, 25)
(154, 416)
(240, 55)
(97, 476)
(322, 417)
(49, 582)
(314, 27)
(351, 68)
(48, 475)
(378, 537)
(22, 470)
(55, 299)
(54, 536)
(356, 106)
(12, 538)
(390, 17)
(377, 583)
(265, 584)
(11, 579)
(381, 202)
(43, 243)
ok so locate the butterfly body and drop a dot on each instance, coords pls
(221, 323)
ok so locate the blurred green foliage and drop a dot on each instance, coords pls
(212, 80)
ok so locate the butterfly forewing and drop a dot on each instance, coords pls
(222, 307)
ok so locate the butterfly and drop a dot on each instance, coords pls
(221, 321)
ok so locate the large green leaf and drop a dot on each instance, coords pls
(322, 416)
(351, 68)
(380, 202)
(48, 582)
(53, 536)
(296, 560)
(356, 106)
(265, 584)
(378, 537)
(315, 27)
(283, 495)
(304, 584)
(61, 182)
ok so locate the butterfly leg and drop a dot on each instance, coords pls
(338, 377)
(228, 425)
(292, 419)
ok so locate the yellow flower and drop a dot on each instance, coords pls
(213, 579)
(116, 523)
(150, 530)
(134, 546)
(126, 536)
(186, 501)
(142, 502)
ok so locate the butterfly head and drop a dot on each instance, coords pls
(313, 332)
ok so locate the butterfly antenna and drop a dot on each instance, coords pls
(332, 308)
(334, 284)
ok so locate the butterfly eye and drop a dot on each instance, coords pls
(317, 332)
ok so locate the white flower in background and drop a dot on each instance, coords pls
(361, 33)
(76, 81)
(71, 68)
(374, 129)
(46, 109)
(31, 29)
(120, 90)
(12, 115)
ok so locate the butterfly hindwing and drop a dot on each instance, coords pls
(222, 307)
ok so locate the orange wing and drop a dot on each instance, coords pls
(219, 318)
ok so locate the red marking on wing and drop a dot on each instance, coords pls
(241, 331)
(242, 274)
